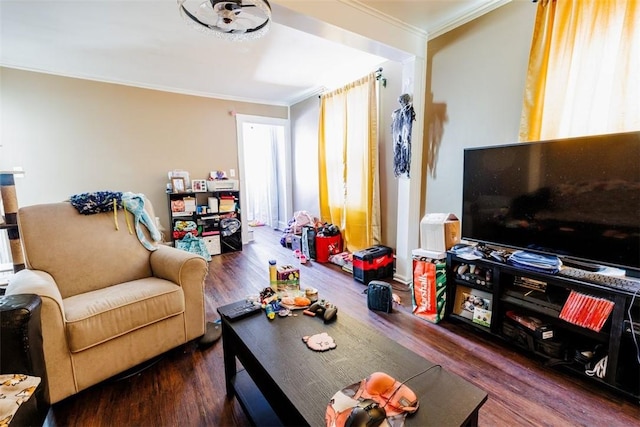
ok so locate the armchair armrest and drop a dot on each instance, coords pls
(178, 266)
(188, 271)
(54, 339)
(35, 282)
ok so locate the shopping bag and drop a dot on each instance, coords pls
(309, 241)
(429, 289)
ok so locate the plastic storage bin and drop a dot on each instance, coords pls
(373, 263)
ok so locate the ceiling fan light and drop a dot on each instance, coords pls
(234, 20)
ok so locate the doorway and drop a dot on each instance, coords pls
(264, 157)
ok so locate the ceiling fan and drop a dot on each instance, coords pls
(230, 19)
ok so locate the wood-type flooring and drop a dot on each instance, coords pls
(186, 386)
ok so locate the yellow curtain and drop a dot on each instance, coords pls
(584, 69)
(348, 162)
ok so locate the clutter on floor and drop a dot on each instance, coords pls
(310, 239)
(299, 220)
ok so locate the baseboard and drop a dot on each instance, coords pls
(402, 279)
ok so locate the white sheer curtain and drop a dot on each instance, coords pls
(260, 158)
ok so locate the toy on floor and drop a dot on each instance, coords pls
(302, 257)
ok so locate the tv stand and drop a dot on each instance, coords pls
(526, 309)
(582, 265)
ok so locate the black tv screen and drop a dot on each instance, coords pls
(577, 198)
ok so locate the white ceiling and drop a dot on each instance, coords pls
(146, 43)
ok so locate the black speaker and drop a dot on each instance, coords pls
(379, 296)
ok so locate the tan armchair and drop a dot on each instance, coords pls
(108, 303)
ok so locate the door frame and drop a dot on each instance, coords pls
(286, 192)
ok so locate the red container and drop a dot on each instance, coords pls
(373, 263)
(327, 246)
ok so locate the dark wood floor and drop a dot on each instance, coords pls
(186, 387)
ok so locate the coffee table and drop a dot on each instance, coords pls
(280, 381)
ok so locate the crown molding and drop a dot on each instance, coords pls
(466, 17)
(148, 86)
(386, 18)
(354, 24)
(442, 28)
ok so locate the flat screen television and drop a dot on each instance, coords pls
(576, 198)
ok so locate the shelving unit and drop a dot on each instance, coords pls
(216, 216)
(511, 293)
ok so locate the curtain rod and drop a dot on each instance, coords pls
(380, 77)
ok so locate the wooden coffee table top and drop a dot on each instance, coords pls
(284, 368)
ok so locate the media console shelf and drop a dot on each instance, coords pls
(575, 325)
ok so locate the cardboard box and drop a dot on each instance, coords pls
(189, 204)
(288, 279)
(213, 244)
(439, 231)
(213, 204)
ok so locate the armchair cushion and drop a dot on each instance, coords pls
(98, 316)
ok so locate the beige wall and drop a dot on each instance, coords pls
(389, 95)
(475, 85)
(73, 136)
(304, 155)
